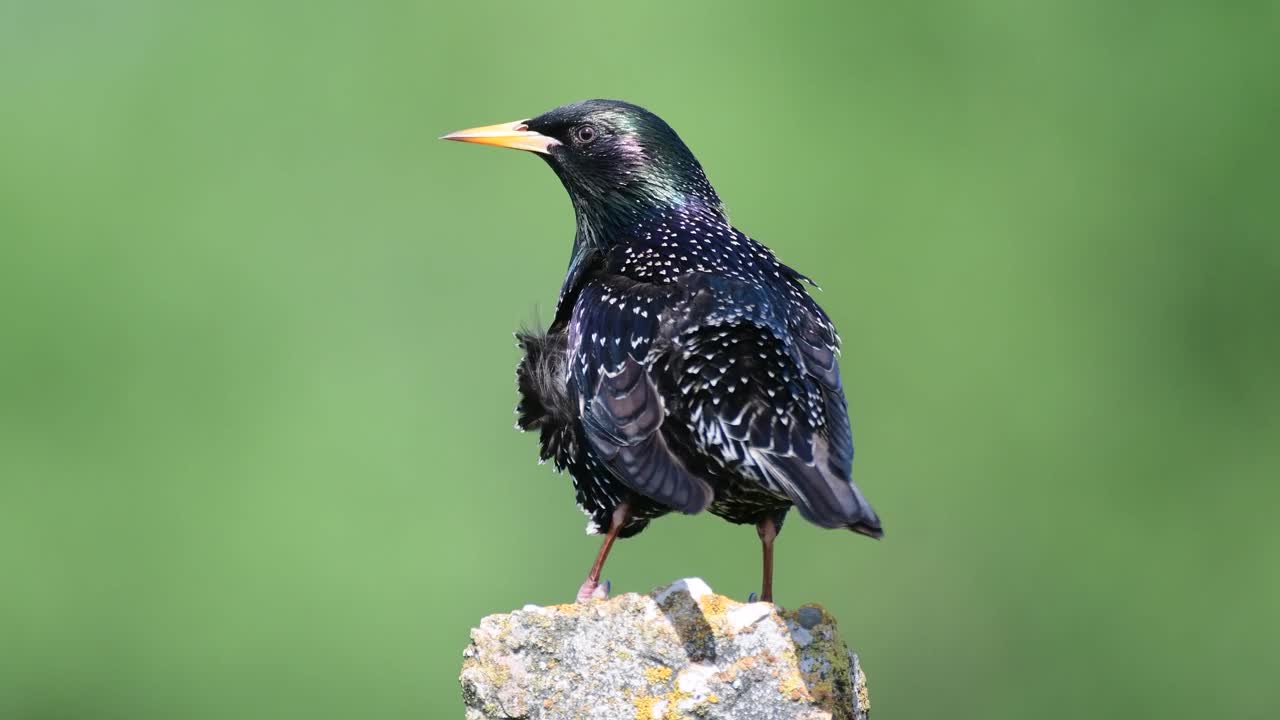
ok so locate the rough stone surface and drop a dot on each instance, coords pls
(680, 652)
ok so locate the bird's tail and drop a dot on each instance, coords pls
(823, 496)
(866, 522)
(869, 526)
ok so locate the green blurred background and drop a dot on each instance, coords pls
(256, 366)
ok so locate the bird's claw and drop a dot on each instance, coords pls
(591, 590)
(752, 597)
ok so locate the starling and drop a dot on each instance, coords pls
(686, 368)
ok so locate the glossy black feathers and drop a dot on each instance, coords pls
(687, 368)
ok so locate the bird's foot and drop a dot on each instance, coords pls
(592, 590)
(754, 598)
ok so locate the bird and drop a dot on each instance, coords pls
(686, 368)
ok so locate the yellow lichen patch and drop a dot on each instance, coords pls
(657, 674)
(715, 606)
(793, 688)
(498, 673)
(644, 706)
(667, 704)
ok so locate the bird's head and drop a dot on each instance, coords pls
(619, 162)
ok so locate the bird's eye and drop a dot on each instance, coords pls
(584, 134)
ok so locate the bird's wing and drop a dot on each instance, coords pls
(758, 371)
(616, 327)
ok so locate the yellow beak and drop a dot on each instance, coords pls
(515, 135)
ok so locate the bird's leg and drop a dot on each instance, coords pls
(591, 588)
(767, 529)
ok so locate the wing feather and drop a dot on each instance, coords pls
(615, 330)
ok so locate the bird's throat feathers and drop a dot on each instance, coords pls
(600, 226)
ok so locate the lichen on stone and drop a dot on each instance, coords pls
(657, 675)
(679, 652)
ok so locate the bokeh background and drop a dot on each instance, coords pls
(256, 387)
